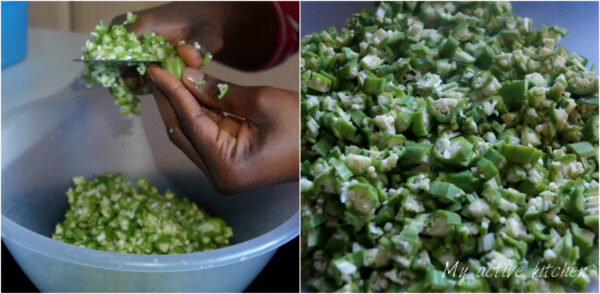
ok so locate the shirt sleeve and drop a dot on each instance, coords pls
(288, 16)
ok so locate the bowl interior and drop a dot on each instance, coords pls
(48, 142)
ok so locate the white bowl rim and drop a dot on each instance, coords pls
(238, 252)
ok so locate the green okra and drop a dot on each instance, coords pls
(446, 132)
(206, 59)
(174, 65)
(223, 89)
(109, 213)
(115, 43)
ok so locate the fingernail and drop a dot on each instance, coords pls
(195, 51)
(198, 50)
(193, 75)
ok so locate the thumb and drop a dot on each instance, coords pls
(236, 99)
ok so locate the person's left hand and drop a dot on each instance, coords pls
(236, 154)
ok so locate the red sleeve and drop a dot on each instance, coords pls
(288, 16)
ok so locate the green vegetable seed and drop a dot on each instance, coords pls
(436, 133)
(109, 213)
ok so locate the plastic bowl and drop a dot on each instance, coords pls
(47, 142)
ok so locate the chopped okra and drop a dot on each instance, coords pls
(115, 43)
(200, 83)
(206, 59)
(223, 88)
(197, 46)
(441, 135)
(109, 213)
(174, 65)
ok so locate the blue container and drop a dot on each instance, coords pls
(14, 32)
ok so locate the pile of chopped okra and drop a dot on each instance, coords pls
(443, 134)
(114, 43)
(108, 213)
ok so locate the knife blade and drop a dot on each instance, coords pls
(124, 62)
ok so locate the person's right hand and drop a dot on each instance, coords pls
(239, 34)
(170, 21)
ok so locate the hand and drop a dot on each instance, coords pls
(175, 24)
(260, 149)
(242, 35)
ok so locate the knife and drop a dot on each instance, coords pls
(125, 62)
